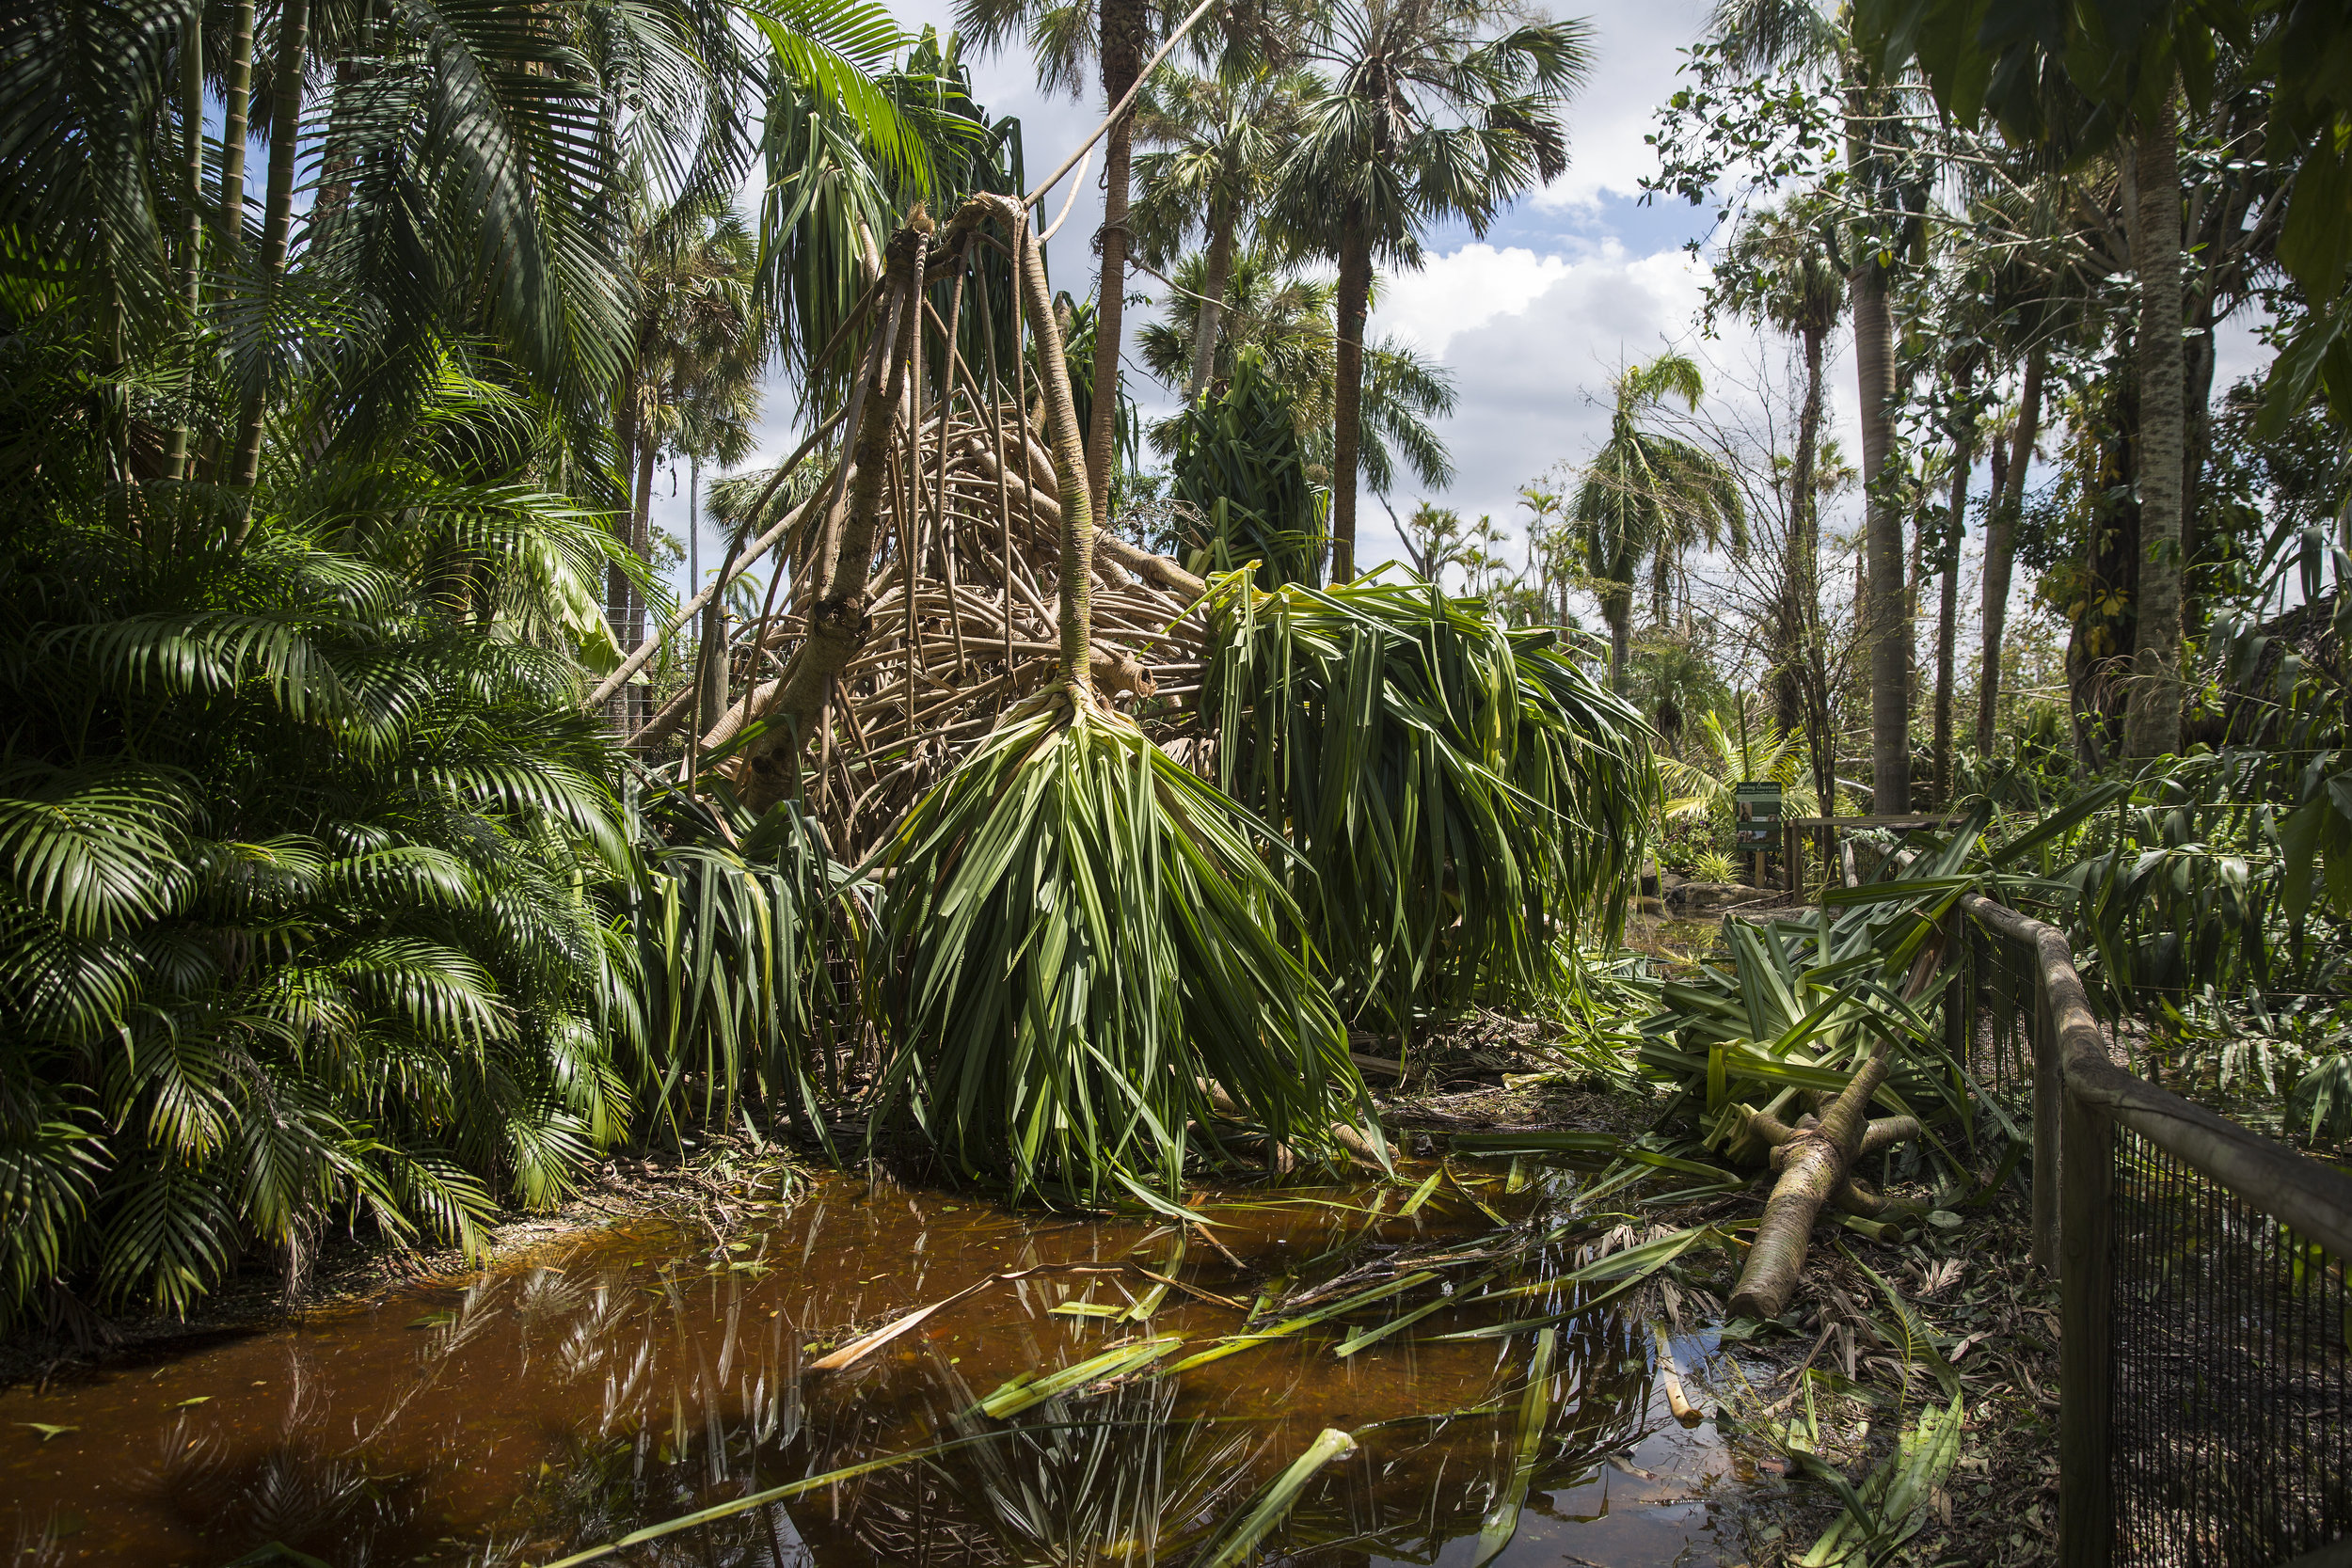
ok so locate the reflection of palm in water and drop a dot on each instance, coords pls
(671, 1417)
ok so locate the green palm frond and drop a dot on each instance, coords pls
(1461, 798)
(1082, 949)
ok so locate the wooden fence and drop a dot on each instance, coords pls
(2205, 1343)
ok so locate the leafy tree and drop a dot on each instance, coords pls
(1284, 322)
(1431, 109)
(1216, 141)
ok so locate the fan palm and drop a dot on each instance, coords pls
(1282, 322)
(1065, 36)
(1433, 109)
(1216, 141)
(1649, 497)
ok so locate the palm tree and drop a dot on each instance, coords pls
(1434, 109)
(1064, 35)
(1648, 495)
(1780, 269)
(1216, 141)
(1283, 322)
(700, 343)
(1812, 39)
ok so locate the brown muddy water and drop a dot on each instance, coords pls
(635, 1376)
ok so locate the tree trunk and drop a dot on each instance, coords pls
(1620, 645)
(2000, 545)
(1889, 627)
(1799, 606)
(1354, 296)
(840, 619)
(640, 539)
(1211, 314)
(2153, 727)
(1948, 605)
(285, 140)
(617, 583)
(191, 255)
(237, 95)
(1815, 1170)
(1124, 25)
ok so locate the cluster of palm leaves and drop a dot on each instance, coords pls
(1462, 798)
(1092, 952)
(1239, 468)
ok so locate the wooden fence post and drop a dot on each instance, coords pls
(2087, 1189)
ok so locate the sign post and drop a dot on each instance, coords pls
(1756, 826)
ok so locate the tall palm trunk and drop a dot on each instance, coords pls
(191, 159)
(1123, 26)
(2153, 727)
(237, 102)
(285, 140)
(1889, 627)
(1212, 312)
(1798, 604)
(1355, 298)
(1948, 609)
(616, 585)
(2000, 544)
(641, 536)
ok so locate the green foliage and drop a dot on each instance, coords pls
(1239, 467)
(1462, 797)
(1081, 943)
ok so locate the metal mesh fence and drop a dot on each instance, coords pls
(2231, 1339)
(2229, 1370)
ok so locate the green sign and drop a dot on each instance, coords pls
(1755, 817)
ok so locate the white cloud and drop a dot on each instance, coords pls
(1634, 49)
(1533, 341)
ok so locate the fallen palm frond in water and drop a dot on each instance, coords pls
(1277, 1500)
(1030, 1388)
(1502, 1520)
(858, 1349)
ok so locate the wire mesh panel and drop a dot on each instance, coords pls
(2232, 1345)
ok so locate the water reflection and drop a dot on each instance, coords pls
(521, 1415)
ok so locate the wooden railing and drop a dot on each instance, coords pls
(2200, 1232)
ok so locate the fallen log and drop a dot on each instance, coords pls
(1816, 1166)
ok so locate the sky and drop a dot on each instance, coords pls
(1532, 318)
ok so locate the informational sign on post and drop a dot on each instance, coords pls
(1755, 812)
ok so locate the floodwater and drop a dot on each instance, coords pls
(635, 1376)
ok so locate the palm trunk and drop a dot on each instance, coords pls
(1799, 606)
(1354, 297)
(1620, 643)
(237, 93)
(191, 156)
(840, 617)
(640, 538)
(1212, 311)
(2000, 547)
(1889, 627)
(617, 583)
(1947, 610)
(2153, 727)
(285, 140)
(1123, 26)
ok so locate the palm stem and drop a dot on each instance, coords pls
(285, 138)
